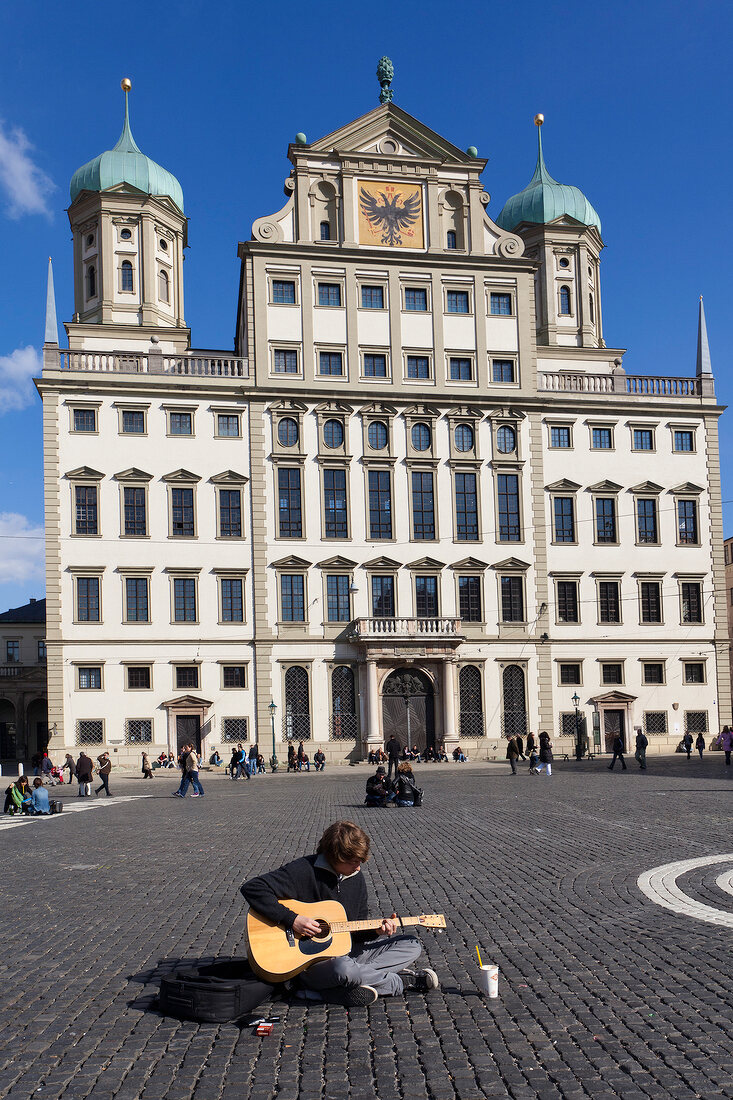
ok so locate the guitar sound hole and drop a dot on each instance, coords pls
(325, 930)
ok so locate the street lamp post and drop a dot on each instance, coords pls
(274, 762)
(578, 743)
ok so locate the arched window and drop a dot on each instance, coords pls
(591, 309)
(325, 231)
(514, 707)
(287, 432)
(344, 723)
(453, 220)
(377, 435)
(323, 207)
(464, 437)
(126, 273)
(451, 240)
(420, 437)
(296, 719)
(163, 285)
(506, 439)
(333, 433)
(471, 705)
(91, 281)
(565, 301)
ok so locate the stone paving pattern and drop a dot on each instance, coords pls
(602, 993)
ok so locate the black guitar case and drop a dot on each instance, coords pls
(219, 993)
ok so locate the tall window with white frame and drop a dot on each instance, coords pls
(651, 601)
(646, 515)
(426, 597)
(423, 506)
(606, 519)
(86, 513)
(290, 515)
(507, 491)
(609, 602)
(466, 507)
(564, 527)
(512, 599)
(383, 597)
(136, 522)
(567, 601)
(469, 598)
(137, 600)
(380, 505)
(691, 593)
(687, 533)
(87, 599)
(338, 601)
(230, 513)
(184, 600)
(232, 602)
(292, 597)
(336, 522)
(182, 515)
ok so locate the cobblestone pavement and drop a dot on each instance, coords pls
(603, 992)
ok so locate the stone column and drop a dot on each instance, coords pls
(374, 736)
(449, 710)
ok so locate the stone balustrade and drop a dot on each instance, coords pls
(635, 385)
(191, 363)
(400, 628)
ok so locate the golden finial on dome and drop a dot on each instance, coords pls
(126, 84)
(539, 119)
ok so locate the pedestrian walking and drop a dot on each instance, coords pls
(512, 752)
(545, 753)
(69, 763)
(687, 742)
(700, 744)
(146, 768)
(393, 750)
(190, 769)
(520, 745)
(84, 771)
(618, 752)
(726, 743)
(254, 752)
(105, 767)
(641, 744)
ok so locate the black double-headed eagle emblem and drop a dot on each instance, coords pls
(388, 216)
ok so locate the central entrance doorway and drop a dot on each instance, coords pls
(408, 709)
(613, 725)
(188, 731)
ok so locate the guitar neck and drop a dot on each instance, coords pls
(371, 925)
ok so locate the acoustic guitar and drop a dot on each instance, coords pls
(276, 954)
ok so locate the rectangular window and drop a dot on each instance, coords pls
(230, 513)
(136, 520)
(90, 731)
(609, 602)
(426, 597)
(653, 672)
(232, 603)
(182, 525)
(330, 363)
(136, 600)
(502, 370)
(501, 305)
(643, 439)
(466, 508)
(380, 505)
(684, 441)
(451, 239)
(372, 297)
(696, 721)
(290, 515)
(461, 370)
(612, 673)
(570, 674)
(336, 522)
(90, 678)
(646, 515)
(512, 600)
(138, 731)
(234, 676)
(687, 522)
(691, 602)
(283, 292)
(567, 601)
(227, 425)
(416, 299)
(234, 730)
(507, 490)
(651, 602)
(469, 599)
(655, 723)
(187, 676)
(292, 594)
(285, 361)
(41, 651)
(87, 599)
(85, 420)
(375, 366)
(559, 436)
(184, 600)
(138, 677)
(606, 519)
(694, 672)
(602, 439)
(329, 294)
(418, 366)
(457, 301)
(86, 522)
(383, 601)
(337, 598)
(325, 231)
(423, 506)
(564, 508)
(12, 652)
(181, 423)
(133, 422)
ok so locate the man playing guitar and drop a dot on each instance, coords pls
(377, 963)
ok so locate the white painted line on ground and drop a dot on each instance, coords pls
(660, 886)
(70, 806)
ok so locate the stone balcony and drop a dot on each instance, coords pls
(430, 632)
(193, 364)
(630, 385)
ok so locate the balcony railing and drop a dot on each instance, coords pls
(637, 385)
(412, 629)
(203, 364)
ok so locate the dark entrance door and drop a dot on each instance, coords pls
(188, 731)
(613, 724)
(407, 706)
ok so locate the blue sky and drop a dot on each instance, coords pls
(636, 99)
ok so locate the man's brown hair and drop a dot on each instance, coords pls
(344, 841)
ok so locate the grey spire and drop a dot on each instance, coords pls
(52, 331)
(704, 366)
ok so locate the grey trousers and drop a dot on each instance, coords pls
(374, 963)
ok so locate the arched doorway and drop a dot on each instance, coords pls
(407, 708)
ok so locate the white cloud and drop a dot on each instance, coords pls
(16, 371)
(22, 549)
(27, 187)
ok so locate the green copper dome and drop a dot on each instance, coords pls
(126, 164)
(544, 199)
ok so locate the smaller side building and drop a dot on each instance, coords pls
(23, 695)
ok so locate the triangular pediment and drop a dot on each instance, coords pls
(426, 563)
(133, 474)
(378, 408)
(646, 487)
(85, 472)
(427, 412)
(287, 406)
(181, 475)
(469, 563)
(229, 476)
(687, 487)
(188, 701)
(605, 487)
(391, 132)
(382, 563)
(336, 562)
(511, 563)
(464, 411)
(613, 697)
(563, 485)
(291, 562)
(506, 412)
(333, 407)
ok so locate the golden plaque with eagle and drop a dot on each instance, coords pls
(390, 214)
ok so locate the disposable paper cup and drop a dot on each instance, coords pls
(488, 980)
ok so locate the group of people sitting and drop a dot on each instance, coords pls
(21, 798)
(300, 762)
(428, 755)
(381, 790)
(244, 763)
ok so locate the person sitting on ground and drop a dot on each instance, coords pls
(261, 764)
(440, 754)
(378, 791)
(372, 967)
(215, 759)
(146, 768)
(301, 757)
(406, 791)
(172, 762)
(17, 797)
(320, 760)
(372, 757)
(39, 798)
(304, 762)
(458, 755)
(292, 759)
(429, 755)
